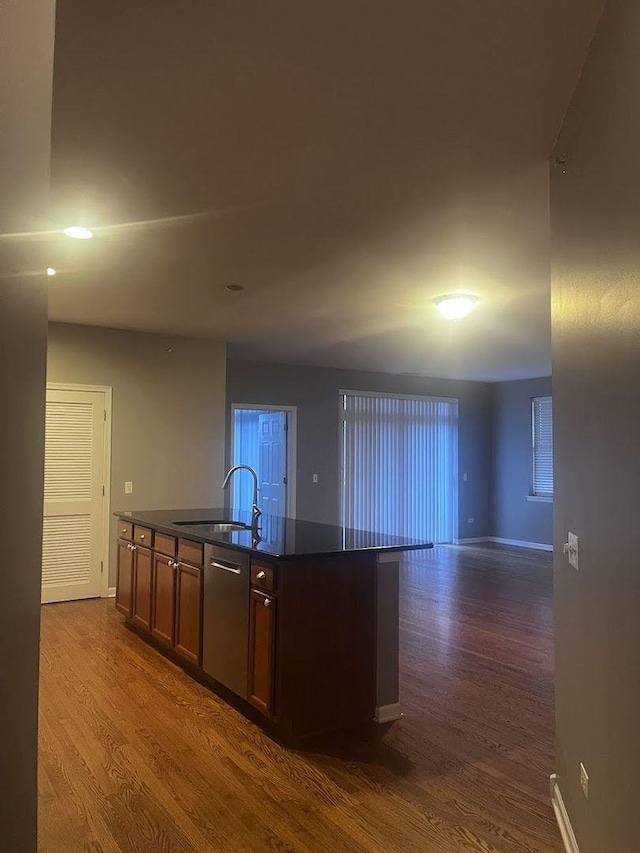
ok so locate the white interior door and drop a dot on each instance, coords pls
(272, 471)
(75, 435)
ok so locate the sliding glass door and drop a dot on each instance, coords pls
(399, 465)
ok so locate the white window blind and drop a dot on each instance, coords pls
(542, 435)
(399, 465)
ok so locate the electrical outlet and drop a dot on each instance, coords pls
(584, 782)
(471, 520)
(464, 478)
(128, 487)
(315, 478)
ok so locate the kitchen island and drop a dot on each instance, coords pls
(298, 619)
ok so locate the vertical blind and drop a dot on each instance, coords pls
(399, 462)
(542, 434)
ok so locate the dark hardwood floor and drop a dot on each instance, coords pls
(135, 756)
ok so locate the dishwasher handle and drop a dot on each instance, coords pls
(231, 567)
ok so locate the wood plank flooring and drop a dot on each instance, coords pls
(135, 756)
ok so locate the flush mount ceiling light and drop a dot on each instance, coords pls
(234, 288)
(78, 232)
(51, 271)
(455, 306)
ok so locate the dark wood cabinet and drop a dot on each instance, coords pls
(262, 633)
(310, 659)
(163, 602)
(124, 582)
(188, 611)
(141, 607)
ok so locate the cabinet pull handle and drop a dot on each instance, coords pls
(261, 576)
(236, 570)
(267, 602)
(124, 531)
(142, 535)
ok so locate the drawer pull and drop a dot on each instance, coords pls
(236, 570)
(142, 536)
(124, 531)
(261, 576)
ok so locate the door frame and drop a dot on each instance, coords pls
(292, 445)
(107, 394)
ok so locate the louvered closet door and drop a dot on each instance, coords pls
(74, 460)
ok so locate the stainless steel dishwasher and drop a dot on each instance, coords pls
(225, 622)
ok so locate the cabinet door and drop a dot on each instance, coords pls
(141, 610)
(163, 601)
(188, 612)
(261, 650)
(124, 580)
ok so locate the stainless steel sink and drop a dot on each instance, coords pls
(215, 526)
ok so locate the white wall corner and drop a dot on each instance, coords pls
(562, 816)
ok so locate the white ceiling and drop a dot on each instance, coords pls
(350, 163)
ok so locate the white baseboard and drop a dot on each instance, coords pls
(111, 593)
(566, 830)
(516, 543)
(388, 713)
(519, 543)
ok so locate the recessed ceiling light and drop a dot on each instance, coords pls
(51, 271)
(78, 232)
(234, 288)
(455, 306)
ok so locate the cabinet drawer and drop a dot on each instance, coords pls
(143, 536)
(191, 552)
(165, 544)
(263, 575)
(125, 530)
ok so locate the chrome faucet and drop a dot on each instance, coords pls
(256, 512)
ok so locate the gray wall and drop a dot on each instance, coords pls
(596, 384)
(513, 516)
(314, 391)
(23, 329)
(26, 48)
(168, 412)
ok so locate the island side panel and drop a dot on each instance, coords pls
(326, 643)
(388, 637)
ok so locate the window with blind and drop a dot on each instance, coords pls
(399, 466)
(542, 440)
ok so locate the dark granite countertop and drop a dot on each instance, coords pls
(279, 537)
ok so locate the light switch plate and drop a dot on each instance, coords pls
(315, 478)
(128, 487)
(574, 544)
